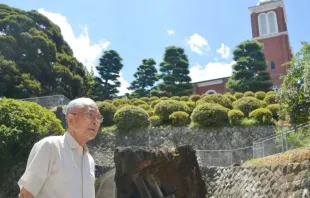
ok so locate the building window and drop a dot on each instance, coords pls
(211, 92)
(267, 23)
(272, 65)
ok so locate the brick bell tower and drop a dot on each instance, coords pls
(269, 26)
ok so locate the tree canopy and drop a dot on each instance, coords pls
(249, 70)
(34, 58)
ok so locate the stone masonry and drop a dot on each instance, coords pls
(281, 181)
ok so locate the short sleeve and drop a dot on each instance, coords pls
(38, 167)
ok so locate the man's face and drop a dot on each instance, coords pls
(85, 121)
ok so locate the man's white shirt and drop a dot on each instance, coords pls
(59, 167)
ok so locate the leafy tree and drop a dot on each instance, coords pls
(106, 84)
(175, 72)
(294, 93)
(33, 49)
(146, 76)
(249, 70)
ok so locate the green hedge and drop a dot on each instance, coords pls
(107, 110)
(247, 104)
(208, 114)
(167, 107)
(262, 116)
(22, 124)
(179, 118)
(235, 116)
(260, 95)
(217, 99)
(131, 117)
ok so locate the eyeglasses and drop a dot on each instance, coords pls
(91, 114)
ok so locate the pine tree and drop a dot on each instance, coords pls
(249, 70)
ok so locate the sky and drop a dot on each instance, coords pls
(208, 30)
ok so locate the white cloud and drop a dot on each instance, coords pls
(212, 70)
(83, 49)
(224, 51)
(198, 44)
(170, 32)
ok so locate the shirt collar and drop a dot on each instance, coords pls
(73, 144)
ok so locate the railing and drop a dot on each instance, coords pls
(49, 101)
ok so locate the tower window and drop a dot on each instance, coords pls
(267, 23)
(272, 65)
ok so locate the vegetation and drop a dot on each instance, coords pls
(249, 71)
(21, 125)
(34, 58)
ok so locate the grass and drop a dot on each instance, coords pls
(292, 156)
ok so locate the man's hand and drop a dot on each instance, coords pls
(25, 194)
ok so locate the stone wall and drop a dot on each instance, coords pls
(285, 181)
(222, 138)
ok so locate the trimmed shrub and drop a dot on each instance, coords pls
(191, 106)
(271, 99)
(167, 107)
(177, 98)
(271, 93)
(146, 107)
(262, 116)
(216, 99)
(155, 120)
(107, 110)
(145, 99)
(164, 98)
(179, 118)
(231, 97)
(109, 101)
(194, 98)
(153, 98)
(184, 98)
(247, 104)
(131, 117)
(238, 95)
(249, 94)
(235, 116)
(22, 124)
(119, 102)
(208, 114)
(138, 102)
(275, 110)
(150, 113)
(260, 95)
(155, 102)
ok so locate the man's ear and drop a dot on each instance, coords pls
(71, 119)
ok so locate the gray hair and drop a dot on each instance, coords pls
(78, 103)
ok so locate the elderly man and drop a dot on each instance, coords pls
(61, 166)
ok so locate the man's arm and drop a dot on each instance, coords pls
(39, 165)
(25, 194)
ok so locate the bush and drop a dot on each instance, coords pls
(22, 124)
(150, 113)
(155, 121)
(247, 104)
(145, 99)
(271, 99)
(194, 98)
(274, 109)
(146, 107)
(119, 102)
(235, 116)
(131, 117)
(179, 118)
(191, 106)
(217, 99)
(238, 95)
(208, 114)
(184, 98)
(138, 102)
(153, 98)
(260, 95)
(107, 110)
(231, 97)
(109, 101)
(167, 107)
(164, 98)
(249, 94)
(271, 93)
(177, 98)
(155, 102)
(262, 116)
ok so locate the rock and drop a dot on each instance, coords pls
(157, 173)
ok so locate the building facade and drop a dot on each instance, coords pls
(269, 27)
